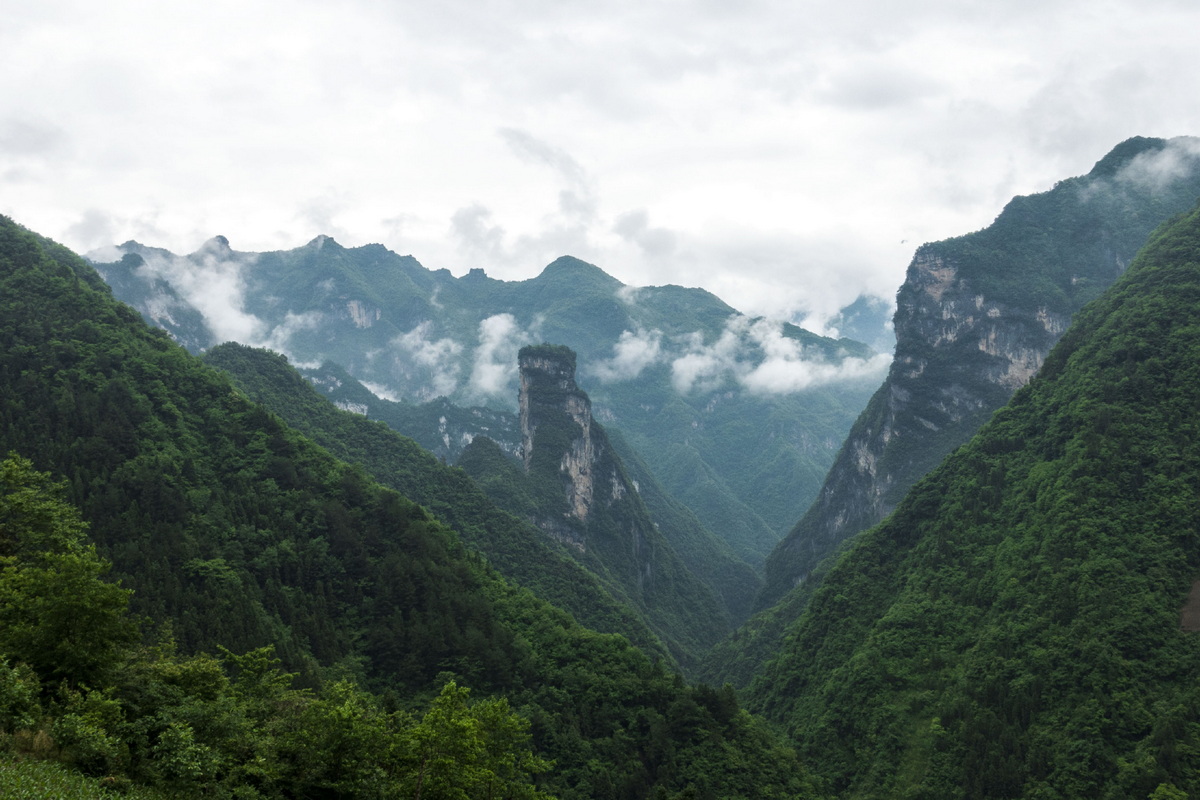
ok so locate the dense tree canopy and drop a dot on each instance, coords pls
(1013, 629)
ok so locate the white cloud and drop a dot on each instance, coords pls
(786, 368)
(494, 371)
(211, 279)
(278, 338)
(379, 390)
(438, 357)
(756, 356)
(787, 157)
(632, 353)
(1158, 169)
(705, 367)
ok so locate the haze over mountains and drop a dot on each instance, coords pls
(739, 418)
(984, 600)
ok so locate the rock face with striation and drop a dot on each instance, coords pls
(586, 500)
(975, 318)
(571, 484)
(548, 391)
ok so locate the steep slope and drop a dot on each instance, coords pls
(1014, 628)
(447, 430)
(974, 320)
(234, 530)
(671, 367)
(515, 548)
(571, 484)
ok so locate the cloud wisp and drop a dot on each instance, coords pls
(755, 355)
(212, 280)
(494, 361)
(437, 362)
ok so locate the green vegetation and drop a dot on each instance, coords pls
(1039, 262)
(513, 546)
(492, 434)
(614, 535)
(747, 464)
(1013, 629)
(250, 543)
(88, 697)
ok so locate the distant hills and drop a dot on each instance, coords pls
(992, 595)
(233, 530)
(739, 418)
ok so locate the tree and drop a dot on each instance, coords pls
(481, 751)
(56, 613)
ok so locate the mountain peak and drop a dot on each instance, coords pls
(574, 268)
(216, 246)
(321, 240)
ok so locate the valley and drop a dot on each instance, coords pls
(323, 522)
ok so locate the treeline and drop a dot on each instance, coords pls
(516, 548)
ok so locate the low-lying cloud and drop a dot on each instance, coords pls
(632, 353)
(494, 367)
(787, 368)
(438, 359)
(1155, 170)
(212, 281)
(753, 354)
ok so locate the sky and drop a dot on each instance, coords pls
(786, 156)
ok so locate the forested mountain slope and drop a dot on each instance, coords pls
(234, 530)
(975, 317)
(398, 462)
(1014, 628)
(571, 483)
(514, 547)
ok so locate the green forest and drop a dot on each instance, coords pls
(214, 582)
(236, 543)
(1013, 629)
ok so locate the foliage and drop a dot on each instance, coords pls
(360, 301)
(234, 530)
(611, 531)
(513, 546)
(1013, 629)
(1012, 285)
(56, 615)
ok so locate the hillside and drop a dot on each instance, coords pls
(232, 530)
(513, 547)
(443, 427)
(1013, 629)
(571, 484)
(975, 318)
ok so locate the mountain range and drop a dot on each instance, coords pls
(739, 418)
(994, 594)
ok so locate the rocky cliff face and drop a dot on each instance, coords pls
(559, 435)
(547, 388)
(583, 498)
(975, 318)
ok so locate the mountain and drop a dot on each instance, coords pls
(233, 530)
(975, 318)
(570, 482)
(447, 430)
(1023, 624)
(739, 418)
(517, 549)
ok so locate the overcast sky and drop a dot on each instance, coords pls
(784, 155)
